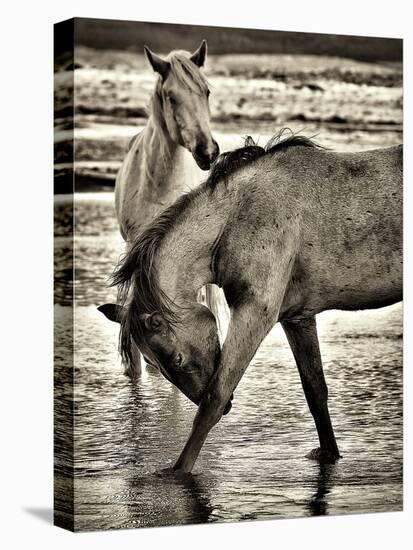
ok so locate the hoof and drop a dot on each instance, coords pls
(165, 471)
(133, 374)
(228, 406)
(322, 456)
(172, 471)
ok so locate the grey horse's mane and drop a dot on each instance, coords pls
(231, 161)
(136, 276)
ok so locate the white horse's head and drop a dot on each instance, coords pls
(180, 102)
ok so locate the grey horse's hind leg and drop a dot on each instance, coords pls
(302, 337)
(135, 369)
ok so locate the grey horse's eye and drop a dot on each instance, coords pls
(179, 359)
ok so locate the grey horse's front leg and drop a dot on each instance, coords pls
(302, 337)
(249, 325)
(255, 311)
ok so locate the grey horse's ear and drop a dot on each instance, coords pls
(113, 312)
(158, 64)
(154, 322)
(199, 56)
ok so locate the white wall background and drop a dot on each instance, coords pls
(26, 270)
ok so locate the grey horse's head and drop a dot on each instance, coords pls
(186, 352)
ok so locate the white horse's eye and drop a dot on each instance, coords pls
(172, 99)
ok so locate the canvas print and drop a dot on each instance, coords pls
(228, 274)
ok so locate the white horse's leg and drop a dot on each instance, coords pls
(215, 300)
(302, 337)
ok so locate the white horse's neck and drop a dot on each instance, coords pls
(155, 172)
(167, 164)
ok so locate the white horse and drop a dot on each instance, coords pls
(159, 166)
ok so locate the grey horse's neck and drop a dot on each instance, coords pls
(184, 261)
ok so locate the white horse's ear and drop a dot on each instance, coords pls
(158, 64)
(113, 312)
(199, 56)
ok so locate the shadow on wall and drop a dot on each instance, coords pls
(44, 514)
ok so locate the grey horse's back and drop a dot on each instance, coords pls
(348, 211)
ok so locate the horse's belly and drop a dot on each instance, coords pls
(369, 284)
(346, 282)
(369, 302)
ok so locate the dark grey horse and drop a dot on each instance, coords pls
(288, 232)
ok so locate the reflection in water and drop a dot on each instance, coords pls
(318, 503)
(253, 464)
(176, 497)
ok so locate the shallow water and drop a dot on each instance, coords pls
(253, 464)
(346, 105)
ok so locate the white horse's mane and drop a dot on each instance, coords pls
(186, 72)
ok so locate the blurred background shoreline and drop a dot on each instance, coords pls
(110, 34)
(346, 90)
